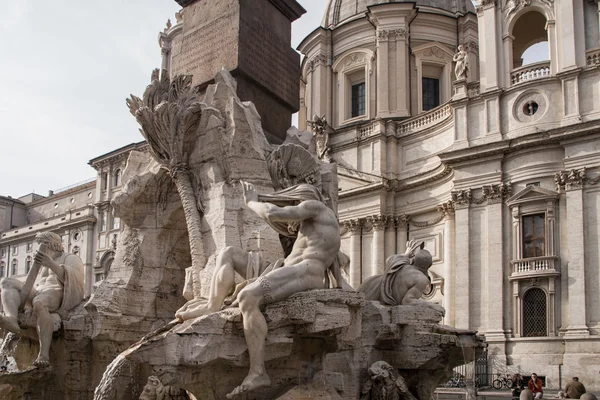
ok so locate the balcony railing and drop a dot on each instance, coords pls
(425, 120)
(592, 57)
(530, 72)
(535, 266)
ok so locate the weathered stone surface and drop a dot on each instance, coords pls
(333, 335)
(252, 39)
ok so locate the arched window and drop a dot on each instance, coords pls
(104, 181)
(13, 268)
(117, 180)
(530, 50)
(27, 264)
(535, 313)
(2, 269)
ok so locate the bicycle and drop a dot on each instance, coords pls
(456, 381)
(505, 381)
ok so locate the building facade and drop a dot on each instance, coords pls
(80, 214)
(497, 172)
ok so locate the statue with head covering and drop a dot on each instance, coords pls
(405, 278)
(60, 288)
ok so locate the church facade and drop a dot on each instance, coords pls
(497, 171)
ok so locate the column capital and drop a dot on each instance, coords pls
(383, 35)
(461, 198)
(570, 180)
(378, 222)
(402, 220)
(496, 193)
(447, 209)
(354, 226)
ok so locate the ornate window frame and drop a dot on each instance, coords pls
(436, 55)
(355, 66)
(539, 272)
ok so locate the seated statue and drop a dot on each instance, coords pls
(299, 211)
(405, 278)
(59, 289)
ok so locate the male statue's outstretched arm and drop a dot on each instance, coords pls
(271, 212)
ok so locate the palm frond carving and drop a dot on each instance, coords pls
(169, 114)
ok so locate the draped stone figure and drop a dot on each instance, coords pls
(462, 63)
(59, 289)
(405, 278)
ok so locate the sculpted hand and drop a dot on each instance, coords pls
(249, 192)
(45, 260)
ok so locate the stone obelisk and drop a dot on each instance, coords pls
(250, 38)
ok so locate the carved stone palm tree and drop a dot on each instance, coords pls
(169, 115)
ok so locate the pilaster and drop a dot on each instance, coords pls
(462, 200)
(377, 260)
(401, 222)
(449, 267)
(576, 265)
(383, 79)
(355, 226)
(488, 45)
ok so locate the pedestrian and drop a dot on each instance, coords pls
(517, 385)
(574, 389)
(535, 385)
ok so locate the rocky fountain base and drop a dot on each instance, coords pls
(320, 342)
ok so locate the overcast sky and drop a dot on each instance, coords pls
(66, 68)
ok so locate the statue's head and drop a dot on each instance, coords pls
(152, 389)
(380, 370)
(51, 240)
(461, 47)
(418, 256)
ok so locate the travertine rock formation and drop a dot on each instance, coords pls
(322, 340)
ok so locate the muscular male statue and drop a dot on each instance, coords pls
(59, 289)
(298, 211)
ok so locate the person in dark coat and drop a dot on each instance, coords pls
(574, 389)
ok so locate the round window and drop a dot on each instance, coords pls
(76, 236)
(55, 205)
(530, 108)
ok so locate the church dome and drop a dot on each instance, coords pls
(340, 10)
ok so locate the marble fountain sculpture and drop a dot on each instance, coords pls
(269, 314)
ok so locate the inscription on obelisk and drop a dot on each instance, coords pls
(252, 39)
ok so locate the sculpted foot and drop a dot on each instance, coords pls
(192, 313)
(252, 382)
(42, 362)
(10, 324)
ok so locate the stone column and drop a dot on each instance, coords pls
(494, 327)
(390, 237)
(488, 45)
(355, 253)
(402, 91)
(401, 233)
(449, 276)
(570, 29)
(576, 265)
(378, 262)
(383, 106)
(508, 59)
(88, 278)
(462, 200)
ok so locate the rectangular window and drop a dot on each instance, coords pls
(534, 235)
(359, 97)
(431, 93)
(29, 247)
(103, 221)
(3, 252)
(15, 250)
(116, 223)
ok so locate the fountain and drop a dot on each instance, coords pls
(181, 206)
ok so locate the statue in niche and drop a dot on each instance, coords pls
(59, 290)
(384, 384)
(405, 279)
(155, 390)
(462, 63)
(320, 130)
